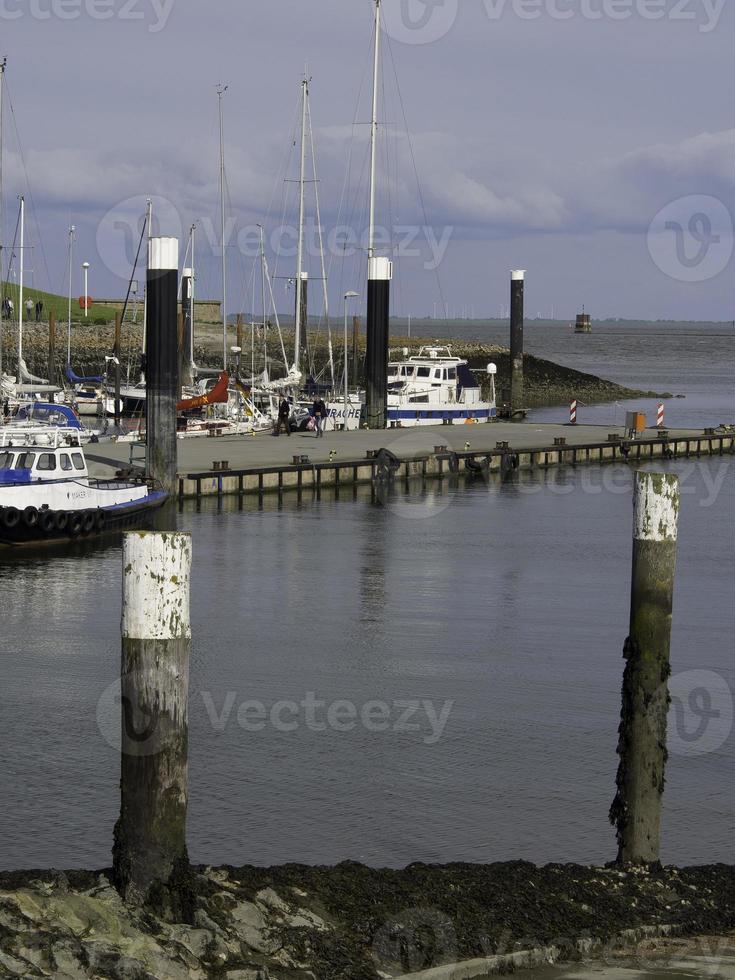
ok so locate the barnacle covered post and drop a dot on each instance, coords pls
(636, 810)
(149, 850)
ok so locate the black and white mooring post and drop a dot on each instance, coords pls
(149, 850)
(636, 810)
(380, 274)
(517, 280)
(162, 361)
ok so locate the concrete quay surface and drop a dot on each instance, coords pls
(265, 451)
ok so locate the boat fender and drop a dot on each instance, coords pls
(11, 517)
(30, 517)
(88, 522)
(75, 523)
(99, 520)
(47, 521)
(61, 519)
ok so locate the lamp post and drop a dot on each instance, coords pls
(85, 266)
(348, 295)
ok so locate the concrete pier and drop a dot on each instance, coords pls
(261, 463)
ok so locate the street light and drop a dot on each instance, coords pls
(348, 295)
(85, 266)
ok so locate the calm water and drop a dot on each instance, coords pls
(509, 602)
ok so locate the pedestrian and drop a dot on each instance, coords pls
(319, 411)
(6, 310)
(29, 308)
(11, 308)
(39, 310)
(284, 416)
(6, 409)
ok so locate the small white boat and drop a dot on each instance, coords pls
(434, 388)
(47, 495)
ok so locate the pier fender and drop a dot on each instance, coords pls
(47, 521)
(30, 517)
(508, 465)
(387, 464)
(476, 468)
(11, 517)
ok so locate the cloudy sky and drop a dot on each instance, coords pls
(591, 142)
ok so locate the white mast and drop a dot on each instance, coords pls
(3, 63)
(300, 250)
(262, 293)
(191, 314)
(68, 322)
(20, 294)
(221, 89)
(374, 132)
(148, 220)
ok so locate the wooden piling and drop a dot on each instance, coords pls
(51, 347)
(162, 362)
(149, 852)
(636, 809)
(517, 279)
(117, 354)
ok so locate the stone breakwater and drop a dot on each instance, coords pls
(351, 922)
(546, 383)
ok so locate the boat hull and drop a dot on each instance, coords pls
(54, 527)
(440, 416)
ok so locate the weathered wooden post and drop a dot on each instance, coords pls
(162, 361)
(517, 280)
(117, 354)
(149, 850)
(51, 346)
(636, 809)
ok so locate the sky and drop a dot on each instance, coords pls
(590, 142)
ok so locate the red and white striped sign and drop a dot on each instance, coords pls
(573, 413)
(660, 416)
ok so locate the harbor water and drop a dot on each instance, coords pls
(435, 679)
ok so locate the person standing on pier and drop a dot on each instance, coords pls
(29, 308)
(319, 411)
(39, 310)
(284, 416)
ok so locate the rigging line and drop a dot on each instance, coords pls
(275, 314)
(413, 161)
(28, 183)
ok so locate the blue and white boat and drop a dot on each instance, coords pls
(435, 388)
(47, 495)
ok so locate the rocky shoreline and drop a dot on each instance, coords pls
(546, 382)
(351, 922)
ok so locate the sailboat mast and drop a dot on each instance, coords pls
(191, 314)
(374, 132)
(262, 293)
(3, 63)
(20, 294)
(221, 89)
(68, 322)
(300, 249)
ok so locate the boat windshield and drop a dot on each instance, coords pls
(6, 461)
(25, 461)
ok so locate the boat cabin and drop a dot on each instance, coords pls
(433, 376)
(26, 457)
